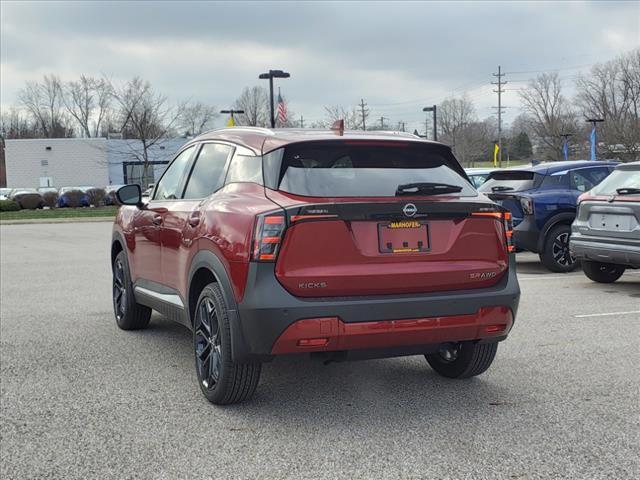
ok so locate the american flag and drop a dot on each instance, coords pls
(282, 110)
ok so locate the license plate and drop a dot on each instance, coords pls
(405, 236)
(609, 221)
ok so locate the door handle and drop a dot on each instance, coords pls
(157, 219)
(194, 219)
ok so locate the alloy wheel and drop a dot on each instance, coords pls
(119, 290)
(207, 343)
(560, 250)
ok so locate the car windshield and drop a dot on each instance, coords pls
(617, 180)
(371, 169)
(512, 181)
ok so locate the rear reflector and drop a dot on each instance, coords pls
(313, 342)
(495, 328)
(267, 237)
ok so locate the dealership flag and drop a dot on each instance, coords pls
(231, 122)
(594, 140)
(282, 110)
(565, 150)
(496, 149)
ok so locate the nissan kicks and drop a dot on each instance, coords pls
(341, 245)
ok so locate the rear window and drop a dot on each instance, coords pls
(365, 169)
(510, 181)
(618, 179)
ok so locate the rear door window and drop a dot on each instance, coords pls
(209, 170)
(367, 169)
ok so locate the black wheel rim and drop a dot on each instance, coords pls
(207, 343)
(449, 353)
(119, 290)
(560, 250)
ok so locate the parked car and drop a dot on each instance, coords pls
(73, 196)
(149, 190)
(605, 235)
(110, 194)
(478, 175)
(543, 201)
(26, 198)
(4, 193)
(276, 242)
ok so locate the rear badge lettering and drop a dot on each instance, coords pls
(482, 275)
(309, 285)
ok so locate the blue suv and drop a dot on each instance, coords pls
(543, 200)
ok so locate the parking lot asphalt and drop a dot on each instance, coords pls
(82, 399)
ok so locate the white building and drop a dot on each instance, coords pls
(68, 162)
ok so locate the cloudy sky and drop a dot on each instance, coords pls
(398, 56)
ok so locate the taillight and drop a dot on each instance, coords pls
(527, 205)
(507, 223)
(508, 231)
(267, 237)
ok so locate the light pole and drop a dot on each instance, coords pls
(232, 112)
(271, 74)
(565, 144)
(435, 127)
(594, 137)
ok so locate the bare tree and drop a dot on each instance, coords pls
(145, 115)
(255, 103)
(350, 115)
(88, 100)
(14, 124)
(457, 126)
(550, 113)
(197, 117)
(44, 103)
(611, 91)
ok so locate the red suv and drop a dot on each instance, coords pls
(345, 245)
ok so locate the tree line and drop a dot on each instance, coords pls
(99, 107)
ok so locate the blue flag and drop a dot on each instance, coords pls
(565, 150)
(593, 139)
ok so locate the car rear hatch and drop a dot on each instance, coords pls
(350, 229)
(612, 209)
(506, 187)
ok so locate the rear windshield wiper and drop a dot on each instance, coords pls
(628, 191)
(426, 188)
(501, 188)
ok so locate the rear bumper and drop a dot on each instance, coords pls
(527, 234)
(271, 321)
(607, 250)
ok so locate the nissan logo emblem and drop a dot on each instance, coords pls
(410, 210)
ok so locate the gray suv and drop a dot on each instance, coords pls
(606, 232)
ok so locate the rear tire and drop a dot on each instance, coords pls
(602, 272)
(221, 380)
(129, 314)
(555, 254)
(463, 360)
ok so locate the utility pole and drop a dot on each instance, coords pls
(499, 91)
(364, 113)
(401, 126)
(382, 119)
(433, 109)
(301, 121)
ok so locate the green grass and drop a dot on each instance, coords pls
(59, 213)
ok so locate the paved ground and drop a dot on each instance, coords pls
(81, 399)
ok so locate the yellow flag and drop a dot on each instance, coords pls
(231, 122)
(496, 149)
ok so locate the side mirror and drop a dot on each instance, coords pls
(129, 195)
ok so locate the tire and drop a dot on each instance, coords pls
(463, 360)
(129, 314)
(602, 272)
(556, 255)
(222, 381)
